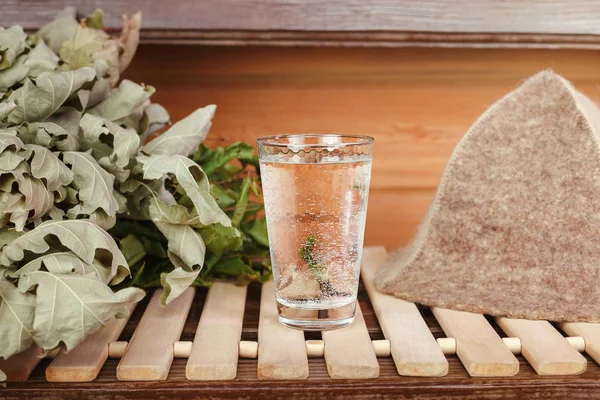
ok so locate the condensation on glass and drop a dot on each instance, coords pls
(316, 188)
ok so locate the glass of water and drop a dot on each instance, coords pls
(316, 189)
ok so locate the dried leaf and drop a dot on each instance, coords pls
(95, 185)
(130, 38)
(41, 97)
(16, 313)
(13, 75)
(154, 118)
(41, 59)
(184, 136)
(123, 101)
(96, 20)
(6, 107)
(176, 281)
(48, 134)
(193, 181)
(63, 263)
(62, 28)
(47, 167)
(184, 242)
(83, 238)
(70, 307)
(12, 44)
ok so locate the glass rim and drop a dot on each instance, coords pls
(355, 140)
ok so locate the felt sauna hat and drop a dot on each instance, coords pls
(514, 228)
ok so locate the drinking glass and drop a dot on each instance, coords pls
(316, 188)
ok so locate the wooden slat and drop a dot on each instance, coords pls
(83, 363)
(18, 367)
(281, 350)
(518, 16)
(478, 346)
(413, 347)
(349, 351)
(544, 347)
(589, 332)
(216, 345)
(150, 352)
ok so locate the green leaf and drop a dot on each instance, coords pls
(59, 30)
(123, 101)
(139, 228)
(221, 157)
(95, 185)
(192, 180)
(233, 267)
(219, 238)
(77, 51)
(96, 20)
(16, 313)
(258, 232)
(41, 97)
(222, 196)
(82, 237)
(132, 249)
(71, 307)
(12, 44)
(47, 167)
(242, 203)
(184, 136)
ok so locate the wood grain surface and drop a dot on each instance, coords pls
(349, 351)
(413, 347)
(215, 350)
(417, 103)
(544, 347)
(281, 350)
(478, 346)
(389, 385)
(149, 355)
(341, 22)
(83, 363)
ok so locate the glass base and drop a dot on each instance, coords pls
(325, 319)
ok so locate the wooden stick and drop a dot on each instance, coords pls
(18, 367)
(150, 353)
(589, 332)
(281, 350)
(248, 349)
(382, 348)
(349, 352)
(315, 348)
(544, 347)
(413, 347)
(478, 346)
(216, 346)
(84, 362)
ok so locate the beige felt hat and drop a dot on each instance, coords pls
(514, 228)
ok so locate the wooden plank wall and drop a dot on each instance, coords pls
(417, 102)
